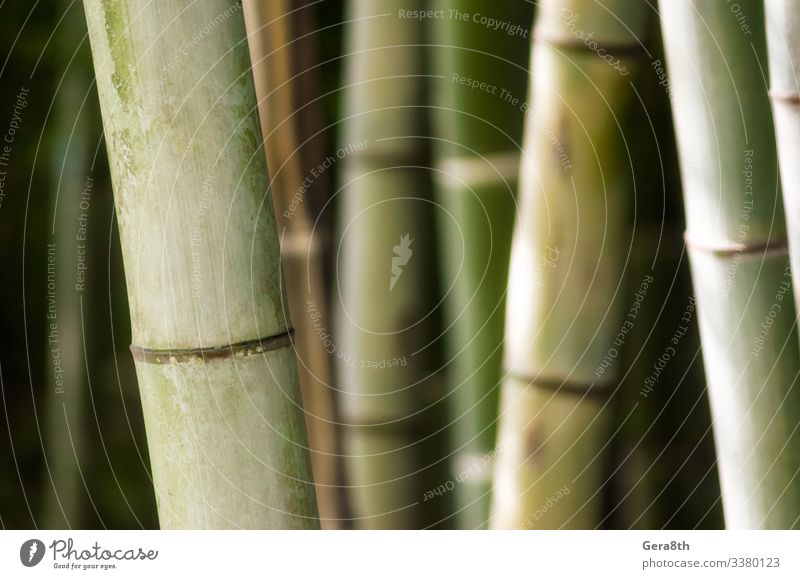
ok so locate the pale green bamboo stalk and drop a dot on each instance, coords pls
(385, 289)
(211, 338)
(283, 51)
(737, 247)
(566, 289)
(477, 134)
(783, 18)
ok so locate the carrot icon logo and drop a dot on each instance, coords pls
(402, 253)
(31, 552)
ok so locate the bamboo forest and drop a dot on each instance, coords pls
(400, 264)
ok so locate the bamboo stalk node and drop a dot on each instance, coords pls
(614, 49)
(791, 97)
(570, 387)
(489, 169)
(751, 247)
(300, 241)
(411, 425)
(247, 348)
(384, 153)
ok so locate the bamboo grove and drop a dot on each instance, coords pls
(443, 264)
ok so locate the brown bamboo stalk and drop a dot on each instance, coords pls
(283, 51)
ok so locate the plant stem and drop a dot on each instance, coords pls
(385, 271)
(282, 48)
(477, 143)
(566, 287)
(216, 370)
(737, 248)
(783, 41)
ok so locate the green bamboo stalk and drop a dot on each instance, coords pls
(70, 167)
(282, 49)
(384, 276)
(566, 295)
(216, 370)
(477, 135)
(737, 247)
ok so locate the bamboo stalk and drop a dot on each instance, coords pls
(384, 276)
(283, 49)
(477, 141)
(70, 166)
(566, 294)
(784, 58)
(737, 247)
(216, 370)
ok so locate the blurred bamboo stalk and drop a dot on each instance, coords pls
(68, 259)
(477, 136)
(385, 270)
(737, 247)
(212, 344)
(283, 50)
(566, 317)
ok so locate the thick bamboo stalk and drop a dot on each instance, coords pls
(566, 295)
(385, 287)
(211, 338)
(477, 134)
(283, 50)
(737, 246)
